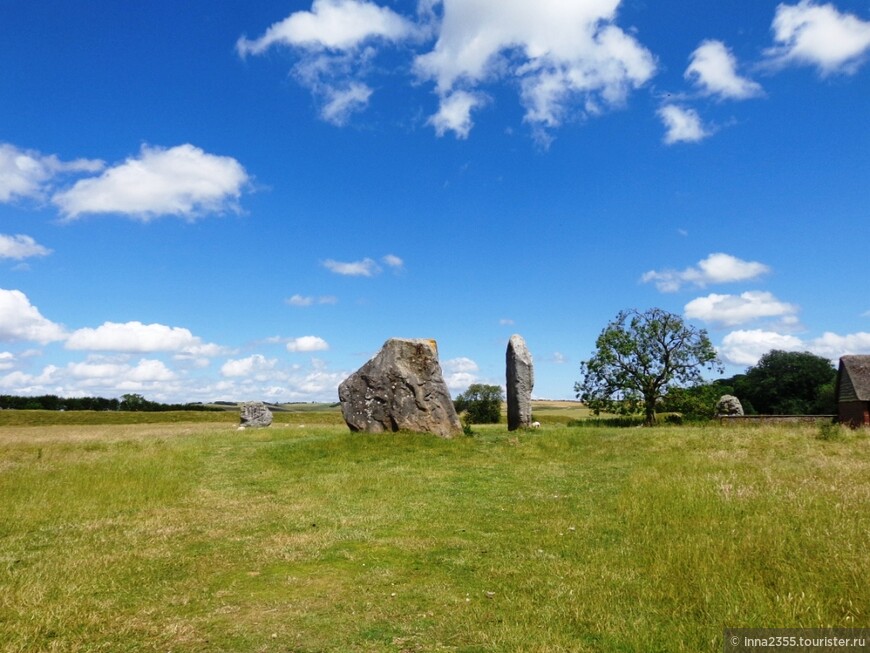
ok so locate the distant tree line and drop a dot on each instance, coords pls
(781, 383)
(132, 402)
(650, 362)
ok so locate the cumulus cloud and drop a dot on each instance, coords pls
(341, 103)
(682, 124)
(136, 337)
(819, 35)
(7, 360)
(558, 358)
(566, 56)
(22, 383)
(331, 25)
(21, 321)
(120, 374)
(303, 301)
(364, 268)
(459, 373)
(20, 247)
(181, 181)
(306, 344)
(115, 374)
(716, 268)
(454, 113)
(28, 173)
(367, 267)
(733, 310)
(252, 365)
(831, 345)
(568, 59)
(334, 42)
(746, 347)
(714, 68)
(393, 261)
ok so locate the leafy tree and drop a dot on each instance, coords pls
(789, 383)
(638, 357)
(481, 403)
(694, 403)
(135, 402)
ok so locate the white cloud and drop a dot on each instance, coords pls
(454, 113)
(365, 268)
(342, 102)
(505, 321)
(27, 173)
(21, 321)
(303, 301)
(20, 247)
(831, 345)
(716, 268)
(307, 343)
(256, 364)
(119, 374)
(137, 337)
(714, 68)
(7, 360)
(335, 44)
(299, 300)
(459, 373)
(393, 261)
(317, 382)
(683, 125)
(22, 383)
(110, 376)
(732, 310)
(182, 181)
(150, 371)
(745, 347)
(567, 56)
(820, 36)
(331, 24)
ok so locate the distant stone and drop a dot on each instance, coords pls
(400, 389)
(255, 415)
(729, 406)
(520, 381)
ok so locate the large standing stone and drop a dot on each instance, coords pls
(401, 388)
(520, 381)
(255, 415)
(729, 405)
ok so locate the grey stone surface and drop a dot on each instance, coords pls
(729, 405)
(400, 389)
(520, 374)
(255, 414)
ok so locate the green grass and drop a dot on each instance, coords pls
(303, 537)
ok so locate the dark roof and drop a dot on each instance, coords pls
(857, 368)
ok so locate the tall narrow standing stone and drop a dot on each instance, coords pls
(520, 381)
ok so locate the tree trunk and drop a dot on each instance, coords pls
(649, 409)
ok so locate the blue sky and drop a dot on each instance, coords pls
(234, 200)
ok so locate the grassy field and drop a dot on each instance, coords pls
(189, 536)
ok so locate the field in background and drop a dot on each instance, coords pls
(547, 412)
(193, 537)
